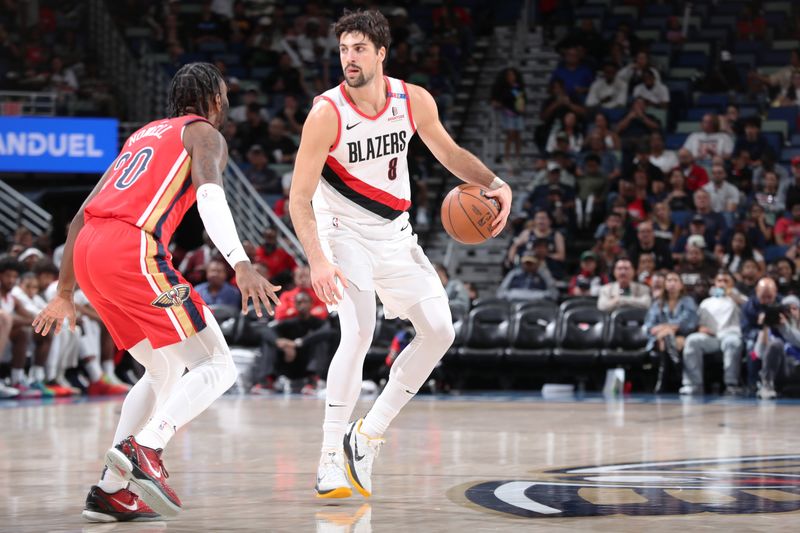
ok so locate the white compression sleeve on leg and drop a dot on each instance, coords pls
(218, 221)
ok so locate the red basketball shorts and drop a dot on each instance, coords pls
(128, 277)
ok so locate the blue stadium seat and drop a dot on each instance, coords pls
(775, 140)
(722, 21)
(692, 60)
(775, 18)
(652, 23)
(788, 153)
(775, 252)
(748, 111)
(717, 100)
(789, 114)
(730, 8)
(795, 140)
(212, 48)
(614, 115)
(674, 141)
(593, 12)
(753, 47)
(696, 113)
(775, 57)
(659, 10)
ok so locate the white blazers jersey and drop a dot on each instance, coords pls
(365, 179)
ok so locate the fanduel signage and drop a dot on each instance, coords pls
(37, 144)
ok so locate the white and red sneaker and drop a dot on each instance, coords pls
(143, 467)
(120, 506)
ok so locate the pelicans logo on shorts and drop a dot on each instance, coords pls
(735, 485)
(173, 297)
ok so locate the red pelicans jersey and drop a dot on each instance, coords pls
(150, 186)
(365, 179)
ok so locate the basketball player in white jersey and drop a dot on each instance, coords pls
(354, 226)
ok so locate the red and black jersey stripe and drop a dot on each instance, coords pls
(363, 194)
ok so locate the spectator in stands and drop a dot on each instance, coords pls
(664, 228)
(637, 123)
(576, 76)
(623, 291)
(787, 228)
(542, 228)
(724, 196)
(646, 243)
(737, 252)
(255, 129)
(542, 196)
(753, 141)
(540, 249)
(723, 77)
(210, 27)
(696, 176)
(28, 258)
(249, 100)
(286, 79)
(194, 263)
(626, 40)
(586, 37)
(592, 189)
(790, 96)
(589, 279)
(607, 91)
(609, 164)
(297, 350)
(235, 149)
(216, 290)
(671, 317)
(293, 114)
(280, 148)
(793, 189)
(769, 196)
(759, 231)
(302, 283)
(705, 144)
(750, 25)
(785, 276)
(697, 268)
(607, 249)
(664, 159)
(455, 289)
(529, 281)
(761, 338)
(633, 73)
(278, 262)
(719, 329)
(652, 91)
(259, 173)
(748, 277)
(730, 122)
(613, 225)
(508, 96)
(645, 268)
(568, 132)
(608, 136)
(554, 108)
(714, 222)
(678, 197)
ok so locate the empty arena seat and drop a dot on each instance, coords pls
(490, 301)
(625, 337)
(713, 100)
(532, 335)
(697, 60)
(581, 335)
(787, 114)
(486, 335)
(674, 141)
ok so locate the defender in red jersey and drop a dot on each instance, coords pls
(118, 252)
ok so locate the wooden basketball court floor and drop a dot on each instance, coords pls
(504, 462)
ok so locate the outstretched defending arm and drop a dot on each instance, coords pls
(209, 154)
(319, 134)
(454, 158)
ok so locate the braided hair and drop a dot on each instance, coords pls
(193, 88)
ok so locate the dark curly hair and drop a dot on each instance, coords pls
(193, 88)
(370, 23)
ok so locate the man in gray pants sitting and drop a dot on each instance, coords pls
(719, 316)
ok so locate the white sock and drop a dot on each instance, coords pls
(37, 374)
(111, 482)
(335, 425)
(108, 368)
(157, 433)
(18, 376)
(393, 398)
(93, 369)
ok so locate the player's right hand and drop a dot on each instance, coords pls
(323, 280)
(254, 286)
(54, 314)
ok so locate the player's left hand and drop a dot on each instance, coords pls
(59, 308)
(254, 286)
(503, 197)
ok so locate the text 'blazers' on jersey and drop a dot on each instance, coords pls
(365, 179)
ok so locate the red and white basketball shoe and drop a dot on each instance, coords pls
(143, 467)
(120, 506)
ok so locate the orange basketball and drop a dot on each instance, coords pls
(467, 214)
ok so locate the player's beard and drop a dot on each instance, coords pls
(360, 80)
(223, 115)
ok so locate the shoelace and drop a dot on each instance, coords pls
(161, 464)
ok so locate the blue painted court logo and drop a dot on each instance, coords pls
(739, 485)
